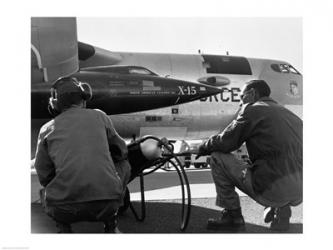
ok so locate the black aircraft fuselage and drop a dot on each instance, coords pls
(125, 89)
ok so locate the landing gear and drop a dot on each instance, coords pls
(205, 165)
(200, 165)
(187, 164)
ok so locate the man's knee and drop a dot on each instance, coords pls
(218, 165)
(219, 159)
(225, 163)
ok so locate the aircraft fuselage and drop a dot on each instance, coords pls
(176, 73)
(204, 117)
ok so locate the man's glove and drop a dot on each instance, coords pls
(198, 151)
(202, 151)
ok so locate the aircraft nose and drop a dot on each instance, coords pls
(206, 90)
(195, 91)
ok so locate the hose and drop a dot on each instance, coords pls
(158, 163)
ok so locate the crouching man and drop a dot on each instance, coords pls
(80, 160)
(273, 137)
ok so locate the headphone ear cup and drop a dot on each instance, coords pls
(53, 102)
(86, 91)
(53, 107)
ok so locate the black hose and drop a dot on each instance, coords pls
(181, 174)
(184, 217)
(143, 204)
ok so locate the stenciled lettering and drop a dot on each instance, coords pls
(181, 90)
(187, 90)
(226, 95)
(235, 94)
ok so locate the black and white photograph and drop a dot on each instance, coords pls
(152, 124)
(132, 139)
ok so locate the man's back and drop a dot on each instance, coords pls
(273, 130)
(78, 146)
(275, 146)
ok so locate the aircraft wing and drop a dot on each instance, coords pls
(54, 48)
(97, 56)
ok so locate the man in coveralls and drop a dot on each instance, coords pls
(80, 160)
(273, 137)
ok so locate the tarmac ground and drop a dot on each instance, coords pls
(163, 209)
(164, 216)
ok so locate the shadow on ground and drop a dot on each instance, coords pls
(165, 217)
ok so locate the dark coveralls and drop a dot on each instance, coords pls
(82, 180)
(273, 137)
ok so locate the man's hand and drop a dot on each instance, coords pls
(198, 151)
(188, 152)
(197, 157)
(164, 140)
(201, 151)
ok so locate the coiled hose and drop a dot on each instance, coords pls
(167, 156)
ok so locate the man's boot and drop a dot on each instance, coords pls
(230, 219)
(281, 219)
(111, 226)
(64, 228)
(269, 214)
